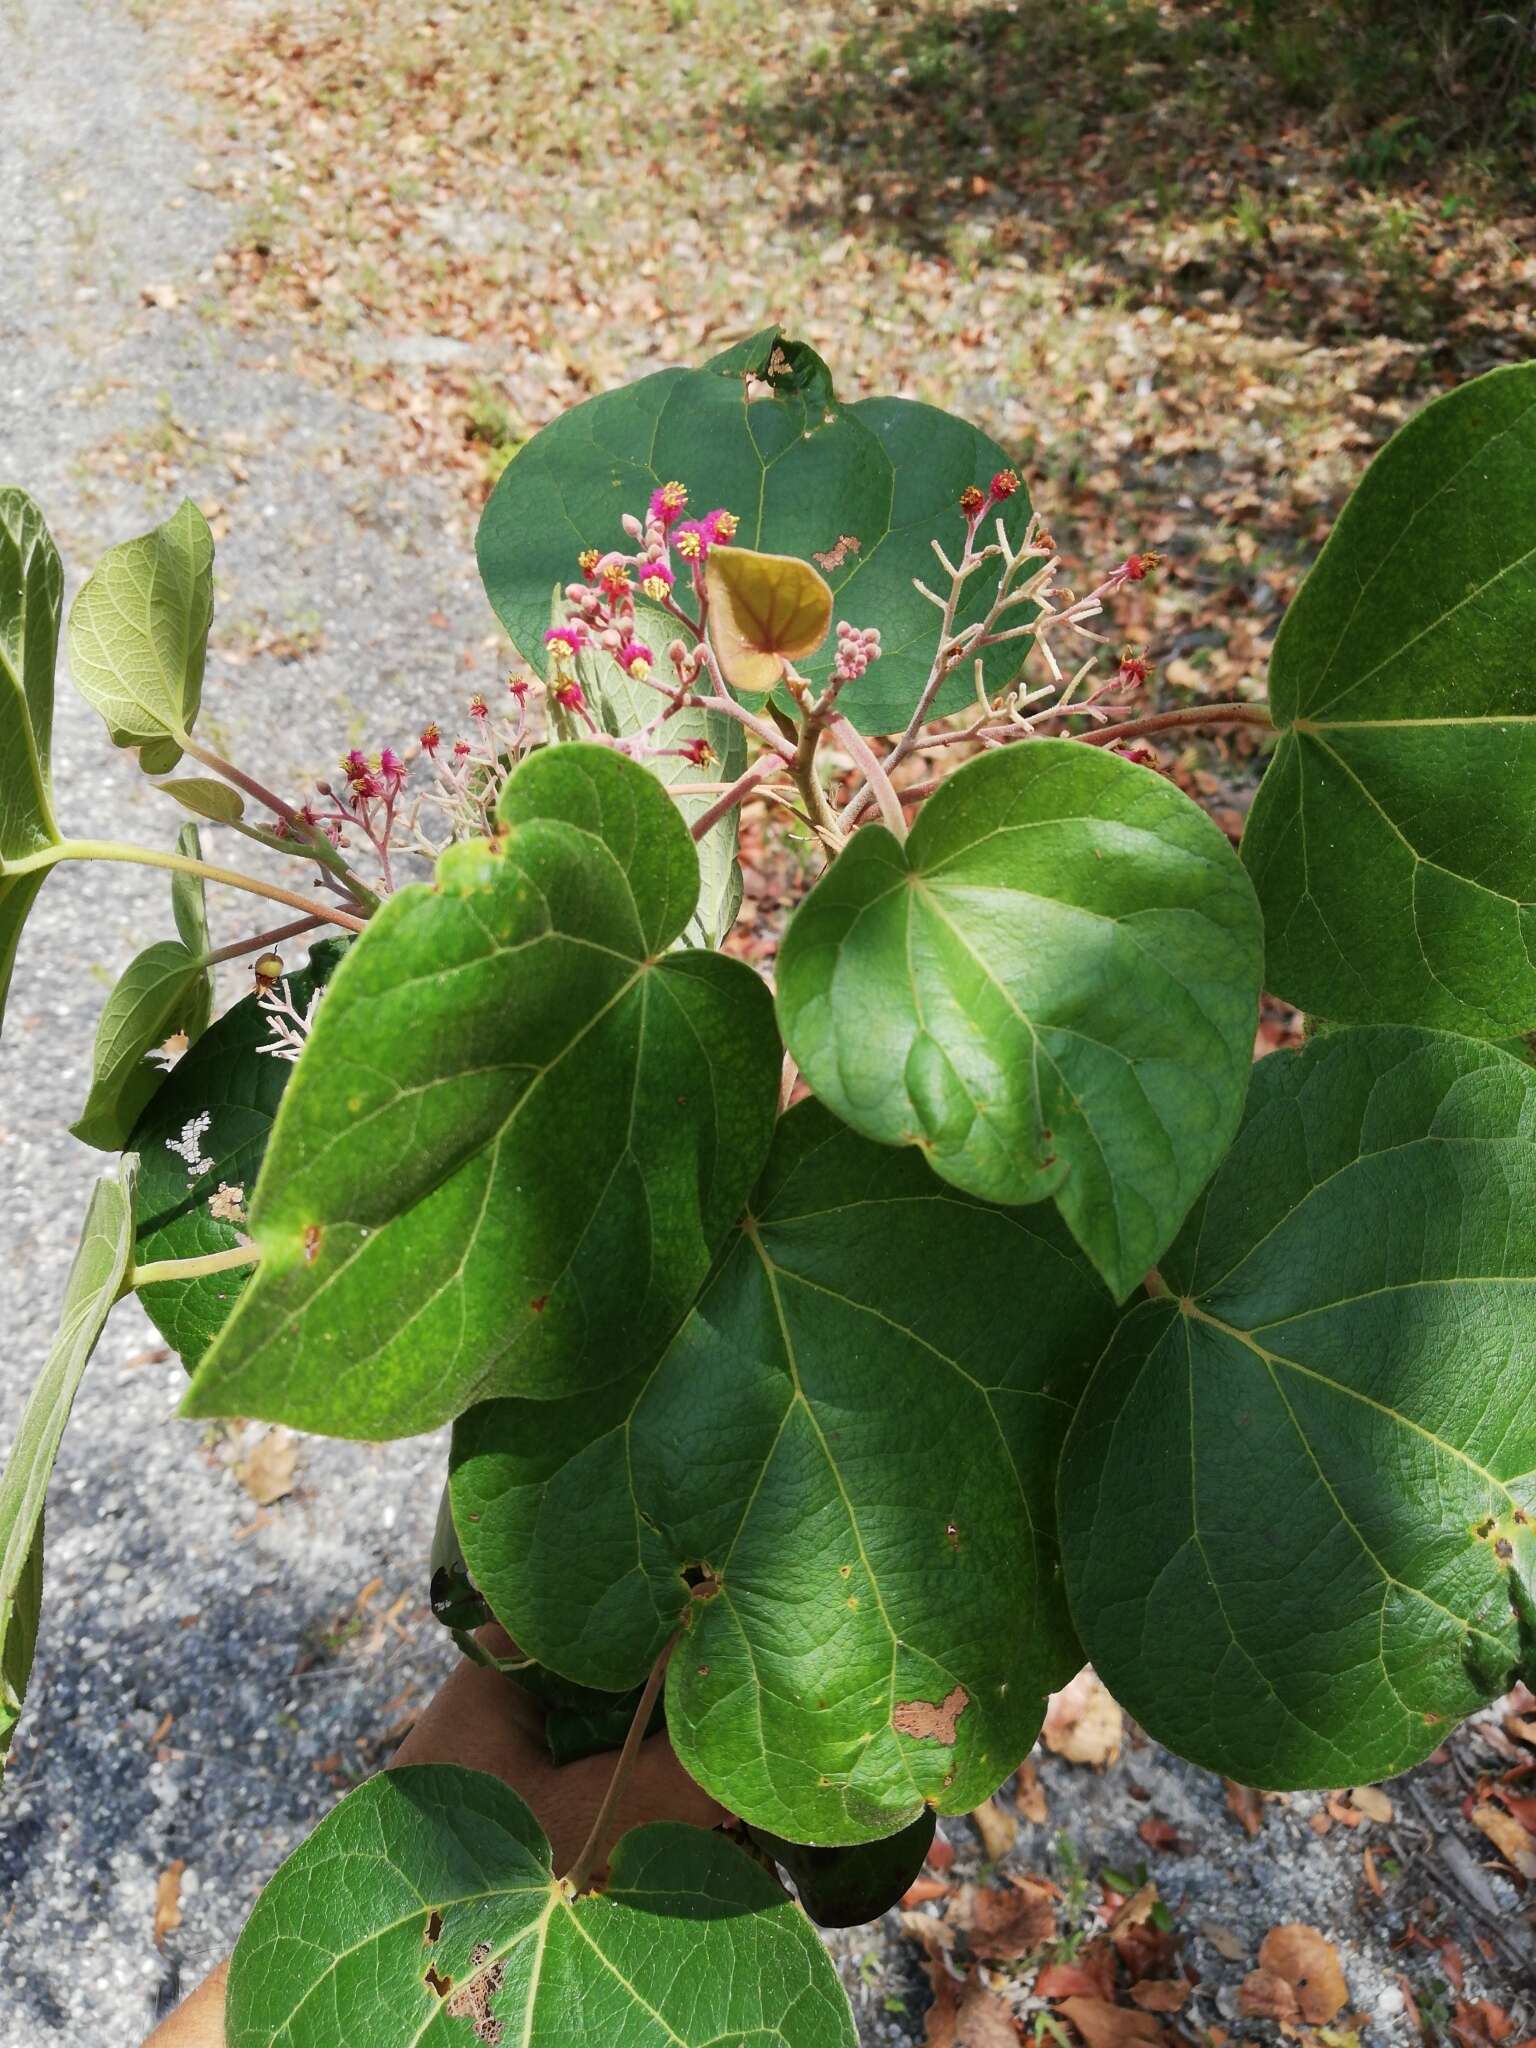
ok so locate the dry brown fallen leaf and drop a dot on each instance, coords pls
(1224, 1941)
(1372, 1802)
(998, 1828)
(1091, 1976)
(1301, 1960)
(266, 1471)
(168, 1901)
(1006, 1922)
(967, 2015)
(1162, 1994)
(1103, 2024)
(1511, 1840)
(1245, 1805)
(1083, 1723)
(1029, 1796)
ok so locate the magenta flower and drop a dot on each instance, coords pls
(635, 658)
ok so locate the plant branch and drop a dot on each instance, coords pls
(733, 794)
(872, 768)
(314, 843)
(180, 863)
(1187, 715)
(192, 1269)
(262, 940)
(586, 1860)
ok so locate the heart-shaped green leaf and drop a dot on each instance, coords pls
(518, 1131)
(207, 797)
(860, 490)
(200, 1143)
(168, 988)
(847, 1887)
(423, 1910)
(1391, 841)
(1296, 1503)
(853, 1452)
(138, 636)
(31, 593)
(1051, 989)
(764, 610)
(95, 1282)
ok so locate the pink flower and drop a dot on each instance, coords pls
(697, 751)
(462, 750)
(1134, 669)
(478, 708)
(1004, 484)
(391, 770)
(656, 580)
(666, 503)
(692, 540)
(720, 526)
(361, 780)
(571, 638)
(431, 738)
(635, 658)
(570, 698)
(518, 685)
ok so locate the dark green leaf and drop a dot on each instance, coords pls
(760, 432)
(518, 1132)
(1392, 842)
(853, 1450)
(217, 1103)
(422, 1913)
(1052, 990)
(138, 636)
(847, 1887)
(1296, 1501)
(95, 1282)
(31, 586)
(168, 988)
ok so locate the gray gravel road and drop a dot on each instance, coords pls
(209, 1675)
(162, 1598)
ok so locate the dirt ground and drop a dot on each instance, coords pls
(324, 269)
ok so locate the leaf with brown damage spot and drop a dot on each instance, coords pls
(925, 1722)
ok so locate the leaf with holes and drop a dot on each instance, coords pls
(1393, 840)
(427, 1898)
(1296, 1500)
(851, 1450)
(200, 1142)
(138, 636)
(860, 490)
(1051, 989)
(518, 1132)
(166, 989)
(764, 610)
(95, 1282)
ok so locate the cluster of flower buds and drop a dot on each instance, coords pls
(856, 648)
(601, 607)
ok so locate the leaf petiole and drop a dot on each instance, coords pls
(150, 857)
(576, 1877)
(191, 1269)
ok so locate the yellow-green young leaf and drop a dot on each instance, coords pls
(31, 585)
(95, 1281)
(424, 1909)
(1051, 988)
(520, 1128)
(207, 797)
(138, 636)
(857, 1446)
(1298, 1500)
(165, 990)
(1393, 838)
(764, 610)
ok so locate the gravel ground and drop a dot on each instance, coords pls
(210, 1675)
